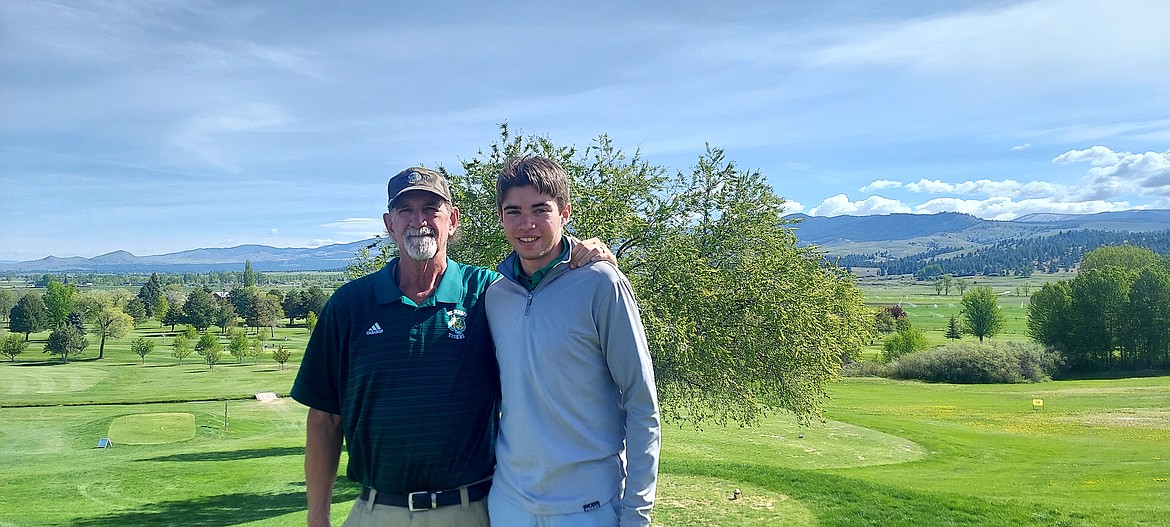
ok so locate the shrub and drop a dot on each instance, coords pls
(906, 341)
(975, 363)
(865, 368)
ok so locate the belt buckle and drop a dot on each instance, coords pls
(432, 505)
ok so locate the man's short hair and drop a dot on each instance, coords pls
(541, 173)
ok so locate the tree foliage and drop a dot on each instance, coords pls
(12, 345)
(1114, 314)
(740, 319)
(238, 345)
(281, 354)
(954, 332)
(181, 347)
(980, 313)
(150, 293)
(8, 299)
(200, 309)
(59, 301)
(142, 346)
(66, 341)
(209, 348)
(29, 315)
(137, 311)
(905, 341)
(111, 323)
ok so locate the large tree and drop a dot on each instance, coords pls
(150, 293)
(1099, 298)
(740, 319)
(8, 299)
(1048, 314)
(111, 323)
(59, 301)
(980, 313)
(137, 311)
(1145, 340)
(1127, 257)
(29, 315)
(200, 309)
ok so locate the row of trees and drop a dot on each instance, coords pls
(740, 319)
(112, 314)
(1115, 314)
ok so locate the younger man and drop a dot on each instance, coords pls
(579, 431)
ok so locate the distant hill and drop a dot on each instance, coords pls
(907, 234)
(910, 239)
(263, 258)
(963, 245)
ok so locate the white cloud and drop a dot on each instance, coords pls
(840, 205)
(880, 184)
(1115, 173)
(1004, 208)
(1024, 146)
(930, 186)
(359, 228)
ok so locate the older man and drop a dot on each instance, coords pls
(401, 365)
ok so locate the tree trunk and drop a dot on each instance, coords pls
(102, 348)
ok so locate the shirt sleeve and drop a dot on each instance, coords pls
(623, 339)
(316, 385)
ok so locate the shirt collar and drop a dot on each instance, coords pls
(449, 291)
(530, 282)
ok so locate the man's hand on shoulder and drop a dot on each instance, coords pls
(591, 250)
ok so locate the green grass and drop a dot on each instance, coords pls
(152, 429)
(890, 453)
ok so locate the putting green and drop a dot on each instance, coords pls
(152, 429)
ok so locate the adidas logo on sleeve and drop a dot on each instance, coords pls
(374, 329)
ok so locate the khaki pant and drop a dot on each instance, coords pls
(365, 514)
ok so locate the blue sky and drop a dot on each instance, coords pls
(160, 126)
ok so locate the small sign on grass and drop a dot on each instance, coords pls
(105, 442)
(1037, 404)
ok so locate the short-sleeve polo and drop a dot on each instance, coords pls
(416, 386)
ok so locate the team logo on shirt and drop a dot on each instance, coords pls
(374, 329)
(457, 323)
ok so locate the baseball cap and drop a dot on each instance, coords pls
(417, 178)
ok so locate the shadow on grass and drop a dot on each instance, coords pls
(839, 501)
(215, 511)
(234, 455)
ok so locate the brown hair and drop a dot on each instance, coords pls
(541, 173)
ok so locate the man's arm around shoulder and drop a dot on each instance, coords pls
(323, 435)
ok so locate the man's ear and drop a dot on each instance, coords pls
(566, 214)
(454, 219)
(386, 221)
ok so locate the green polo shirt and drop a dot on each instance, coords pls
(530, 282)
(416, 386)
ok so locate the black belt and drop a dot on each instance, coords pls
(425, 500)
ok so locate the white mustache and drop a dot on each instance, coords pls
(421, 231)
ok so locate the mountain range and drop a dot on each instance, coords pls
(893, 234)
(263, 258)
(906, 234)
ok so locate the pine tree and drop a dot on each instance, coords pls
(953, 331)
